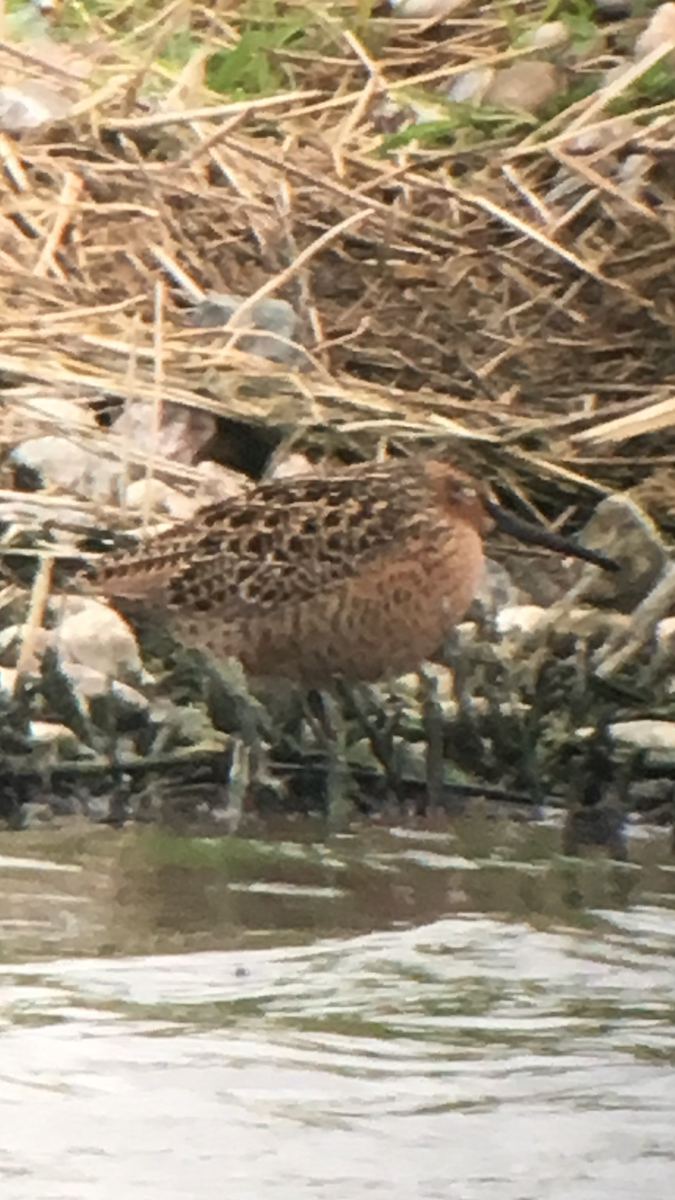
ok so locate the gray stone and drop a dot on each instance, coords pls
(646, 734)
(277, 317)
(95, 636)
(659, 31)
(30, 105)
(622, 529)
(184, 431)
(525, 86)
(64, 464)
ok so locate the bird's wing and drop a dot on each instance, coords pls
(286, 541)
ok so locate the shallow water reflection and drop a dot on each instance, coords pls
(435, 1013)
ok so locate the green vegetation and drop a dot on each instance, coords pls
(253, 67)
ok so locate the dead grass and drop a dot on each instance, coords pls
(481, 273)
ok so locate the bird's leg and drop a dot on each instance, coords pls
(381, 740)
(432, 724)
(327, 719)
(238, 783)
(235, 710)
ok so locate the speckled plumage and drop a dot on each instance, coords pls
(360, 574)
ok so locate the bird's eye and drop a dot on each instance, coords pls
(469, 493)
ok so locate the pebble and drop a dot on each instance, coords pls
(425, 8)
(646, 734)
(614, 10)
(64, 464)
(623, 530)
(660, 29)
(182, 435)
(91, 634)
(525, 86)
(519, 618)
(291, 466)
(471, 86)
(51, 733)
(162, 498)
(277, 317)
(665, 631)
(30, 105)
(7, 680)
(89, 682)
(551, 33)
(61, 412)
(217, 482)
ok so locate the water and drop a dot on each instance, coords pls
(442, 1014)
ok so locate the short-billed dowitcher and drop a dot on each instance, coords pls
(360, 574)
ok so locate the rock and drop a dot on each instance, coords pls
(30, 105)
(7, 680)
(660, 29)
(520, 618)
(183, 432)
(276, 316)
(65, 464)
(425, 8)
(51, 734)
(614, 10)
(87, 682)
(622, 529)
(524, 86)
(96, 636)
(471, 86)
(646, 734)
(163, 498)
(61, 412)
(130, 697)
(219, 483)
(551, 33)
(291, 466)
(665, 632)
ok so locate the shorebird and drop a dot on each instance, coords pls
(356, 575)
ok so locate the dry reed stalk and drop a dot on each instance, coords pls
(283, 277)
(617, 87)
(651, 419)
(36, 610)
(12, 164)
(67, 202)
(205, 113)
(157, 400)
(538, 280)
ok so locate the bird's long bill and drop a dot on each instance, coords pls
(538, 535)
